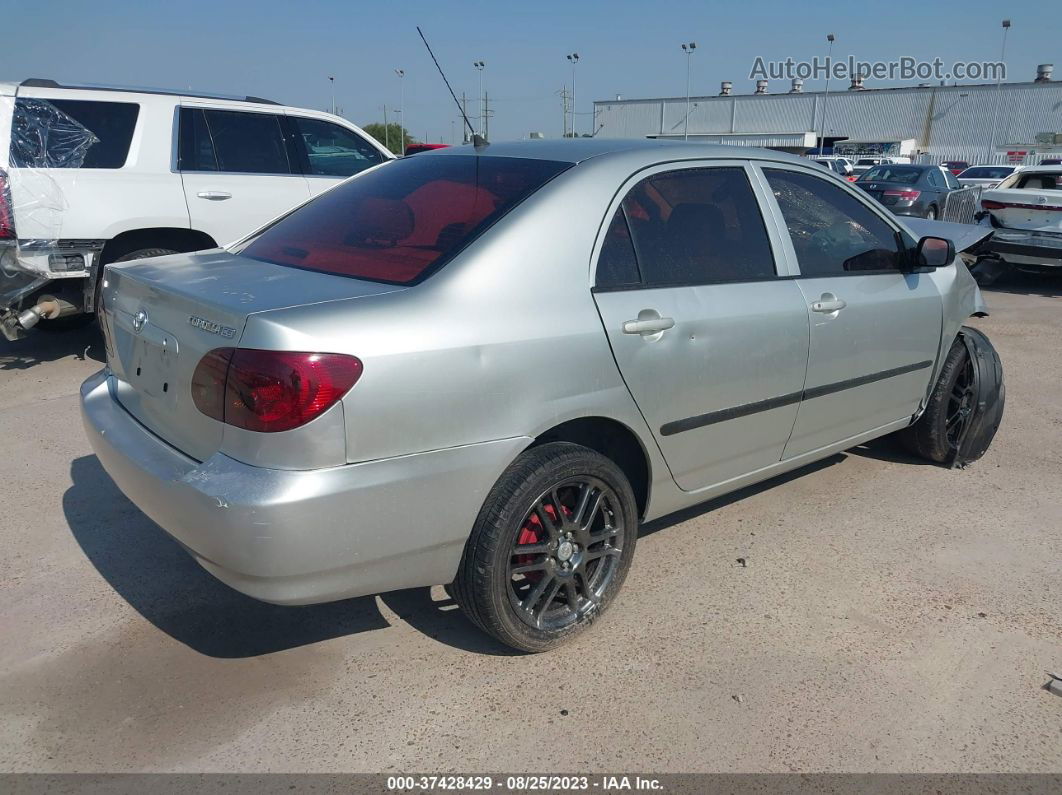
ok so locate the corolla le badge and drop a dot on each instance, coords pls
(139, 320)
(214, 328)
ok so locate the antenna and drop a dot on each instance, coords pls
(477, 139)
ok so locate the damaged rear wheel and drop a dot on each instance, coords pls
(965, 407)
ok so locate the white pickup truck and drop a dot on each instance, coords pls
(1026, 211)
(96, 175)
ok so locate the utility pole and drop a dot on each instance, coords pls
(573, 58)
(486, 118)
(332, 83)
(387, 132)
(464, 114)
(564, 109)
(999, 78)
(480, 66)
(402, 110)
(829, 68)
(688, 49)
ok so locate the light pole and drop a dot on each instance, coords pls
(401, 110)
(332, 83)
(573, 58)
(480, 66)
(688, 49)
(829, 69)
(999, 78)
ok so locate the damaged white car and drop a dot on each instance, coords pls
(90, 176)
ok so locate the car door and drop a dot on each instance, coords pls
(237, 170)
(710, 338)
(875, 326)
(329, 153)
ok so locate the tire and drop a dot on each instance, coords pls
(570, 571)
(933, 436)
(931, 213)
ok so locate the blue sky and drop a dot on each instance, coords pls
(286, 50)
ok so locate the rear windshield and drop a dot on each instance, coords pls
(71, 133)
(402, 221)
(987, 172)
(905, 176)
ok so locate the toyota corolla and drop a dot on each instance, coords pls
(484, 367)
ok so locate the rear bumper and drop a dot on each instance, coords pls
(1022, 247)
(300, 537)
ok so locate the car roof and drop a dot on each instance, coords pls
(581, 149)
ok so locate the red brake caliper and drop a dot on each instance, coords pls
(534, 533)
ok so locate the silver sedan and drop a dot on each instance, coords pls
(484, 367)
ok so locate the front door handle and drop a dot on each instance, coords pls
(648, 326)
(214, 195)
(828, 303)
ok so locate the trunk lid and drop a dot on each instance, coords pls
(1024, 208)
(162, 315)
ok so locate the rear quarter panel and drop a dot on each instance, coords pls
(504, 342)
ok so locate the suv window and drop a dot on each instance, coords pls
(400, 224)
(334, 151)
(234, 141)
(68, 133)
(698, 226)
(832, 232)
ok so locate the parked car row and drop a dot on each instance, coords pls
(94, 176)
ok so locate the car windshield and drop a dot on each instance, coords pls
(906, 175)
(402, 221)
(987, 172)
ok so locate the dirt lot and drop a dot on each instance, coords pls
(893, 617)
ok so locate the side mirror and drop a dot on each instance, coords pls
(934, 252)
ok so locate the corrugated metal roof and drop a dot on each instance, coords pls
(949, 121)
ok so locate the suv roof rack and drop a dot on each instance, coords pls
(43, 82)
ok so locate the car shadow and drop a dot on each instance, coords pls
(162, 582)
(889, 448)
(84, 343)
(664, 522)
(156, 576)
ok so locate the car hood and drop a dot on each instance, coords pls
(964, 236)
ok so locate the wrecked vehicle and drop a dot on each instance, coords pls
(486, 368)
(92, 176)
(1025, 212)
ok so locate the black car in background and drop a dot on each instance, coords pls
(910, 189)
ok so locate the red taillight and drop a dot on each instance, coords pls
(905, 195)
(271, 391)
(988, 204)
(7, 217)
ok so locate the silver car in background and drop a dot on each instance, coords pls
(484, 367)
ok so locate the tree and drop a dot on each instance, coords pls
(390, 136)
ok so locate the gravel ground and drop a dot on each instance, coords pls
(893, 616)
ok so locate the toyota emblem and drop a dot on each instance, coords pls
(139, 319)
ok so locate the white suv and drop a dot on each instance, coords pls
(96, 175)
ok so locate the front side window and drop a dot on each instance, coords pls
(832, 232)
(698, 226)
(335, 151)
(401, 223)
(68, 133)
(247, 143)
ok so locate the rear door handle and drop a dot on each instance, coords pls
(650, 326)
(214, 195)
(828, 305)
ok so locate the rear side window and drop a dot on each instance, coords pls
(698, 226)
(67, 133)
(617, 265)
(402, 222)
(334, 151)
(232, 141)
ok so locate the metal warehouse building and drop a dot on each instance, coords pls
(929, 123)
